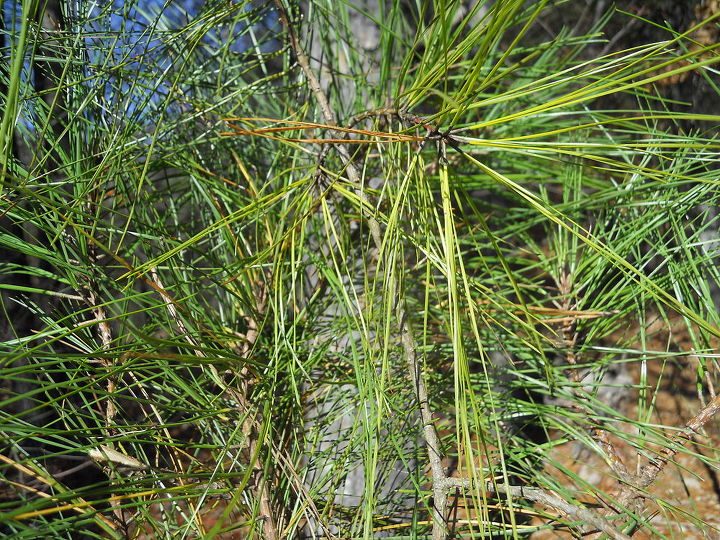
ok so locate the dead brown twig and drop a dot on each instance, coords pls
(650, 472)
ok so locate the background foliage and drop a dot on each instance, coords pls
(453, 313)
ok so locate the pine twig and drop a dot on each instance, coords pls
(438, 474)
(569, 336)
(576, 512)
